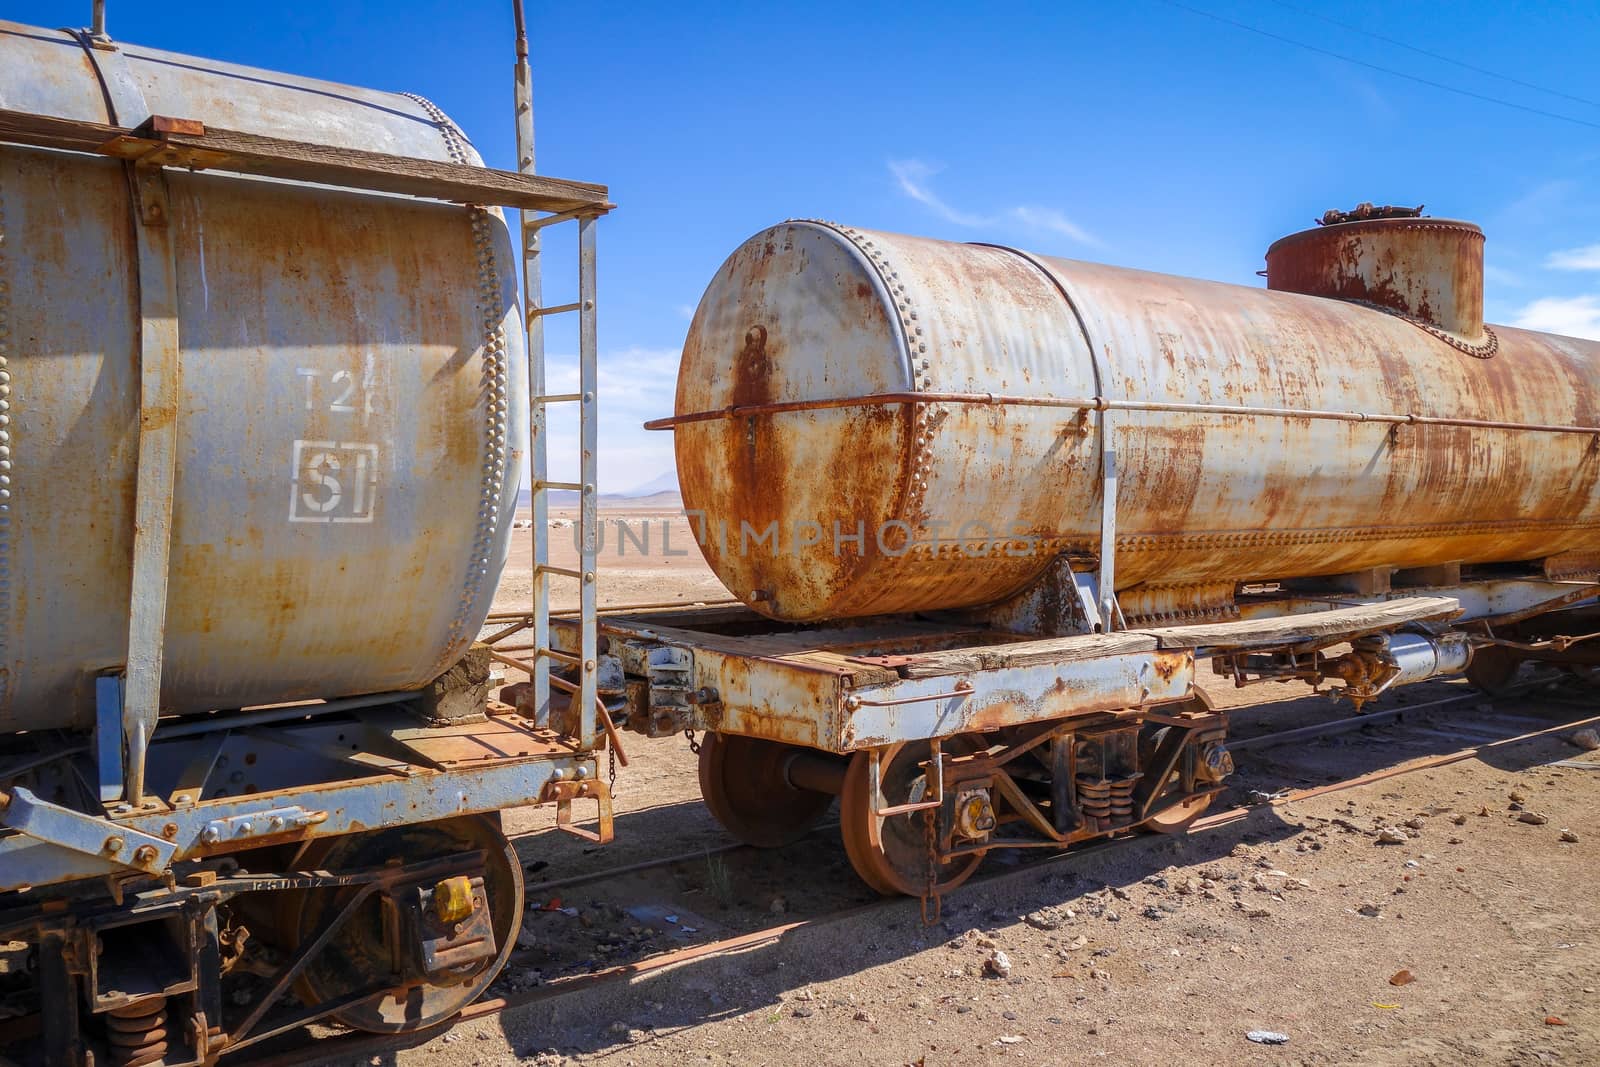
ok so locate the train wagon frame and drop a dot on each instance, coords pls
(195, 873)
(945, 739)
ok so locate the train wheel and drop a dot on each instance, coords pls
(1174, 818)
(359, 955)
(1177, 818)
(891, 853)
(1492, 668)
(746, 786)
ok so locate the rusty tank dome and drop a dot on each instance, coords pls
(1424, 269)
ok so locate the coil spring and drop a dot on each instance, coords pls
(137, 1033)
(1106, 802)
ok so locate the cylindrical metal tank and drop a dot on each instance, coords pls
(352, 397)
(839, 383)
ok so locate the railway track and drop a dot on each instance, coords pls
(1474, 742)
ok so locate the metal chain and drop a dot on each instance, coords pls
(694, 746)
(932, 905)
(611, 758)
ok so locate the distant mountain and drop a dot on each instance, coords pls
(665, 482)
(660, 490)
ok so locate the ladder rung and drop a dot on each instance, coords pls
(562, 656)
(576, 487)
(557, 398)
(565, 572)
(555, 309)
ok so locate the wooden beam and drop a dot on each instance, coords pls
(171, 143)
(1339, 623)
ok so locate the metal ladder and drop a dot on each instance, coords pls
(584, 694)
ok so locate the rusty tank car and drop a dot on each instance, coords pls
(949, 388)
(988, 513)
(264, 408)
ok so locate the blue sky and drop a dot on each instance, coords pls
(1137, 133)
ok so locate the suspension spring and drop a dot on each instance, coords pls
(137, 1033)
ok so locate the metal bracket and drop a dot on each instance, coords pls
(270, 823)
(1086, 588)
(565, 792)
(672, 689)
(1110, 611)
(108, 735)
(102, 838)
(158, 401)
(935, 771)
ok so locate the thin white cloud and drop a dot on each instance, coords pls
(913, 176)
(1585, 258)
(1047, 218)
(1577, 316)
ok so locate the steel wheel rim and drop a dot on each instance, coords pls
(894, 862)
(1178, 817)
(1492, 669)
(423, 1004)
(743, 784)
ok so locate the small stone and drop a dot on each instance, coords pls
(803, 1012)
(864, 1017)
(1043, 919)
(1267, 1037)
(1569, 836)
(1371, 911)
(778, 906)
(984, 941)
(1533, 818)
(1153, 912)
(1586, 739)
(1517, 798)
(1392, 835)
(998, 965)
(1402, 977)
(1008, 1039)
(1415, 823)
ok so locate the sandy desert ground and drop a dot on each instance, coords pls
(1294, 919)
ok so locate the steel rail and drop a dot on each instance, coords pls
(1100, 403)
(360, 1044)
